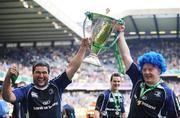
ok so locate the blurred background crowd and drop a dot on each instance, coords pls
(89, 81)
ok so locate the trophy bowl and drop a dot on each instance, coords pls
(101, 28)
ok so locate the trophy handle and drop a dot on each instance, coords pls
(84, 24)
(90, 17)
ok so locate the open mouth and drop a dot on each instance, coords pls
(40, 80)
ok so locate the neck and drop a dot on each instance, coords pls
(41, 88)
(152, 84)
(114, 91)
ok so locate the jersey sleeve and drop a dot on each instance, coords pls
(21, 93)
(3, 108)
(99, 102)
(174, 107)
(122, 105)
(133, 73)
(61, 81)
(177, 105)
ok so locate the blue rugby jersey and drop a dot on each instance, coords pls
(108, 109)
(44, 103)
(4, 110)
(160, 102)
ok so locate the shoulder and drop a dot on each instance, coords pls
(3, 103)
(61, 77)
(120, 94)
(106, 92)
(24, 89)
(29, 86)
(166, 88)
(168, 91)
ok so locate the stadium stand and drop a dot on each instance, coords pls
(81, 93)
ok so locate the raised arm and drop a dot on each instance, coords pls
(76, 61)
(123, 47)
(8, 95)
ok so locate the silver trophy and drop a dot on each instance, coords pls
(101, 29)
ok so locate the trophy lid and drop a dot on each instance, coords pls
(92, 16)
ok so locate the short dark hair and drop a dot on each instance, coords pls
(40, 63)
(115, 75)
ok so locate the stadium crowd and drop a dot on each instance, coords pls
(89, 75)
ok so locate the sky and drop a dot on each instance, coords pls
(72, 12)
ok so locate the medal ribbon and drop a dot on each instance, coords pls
(116, 101)
(143, 91)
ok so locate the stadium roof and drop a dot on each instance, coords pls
(27, 21)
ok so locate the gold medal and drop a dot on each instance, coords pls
(138, 102)
(117, 113)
